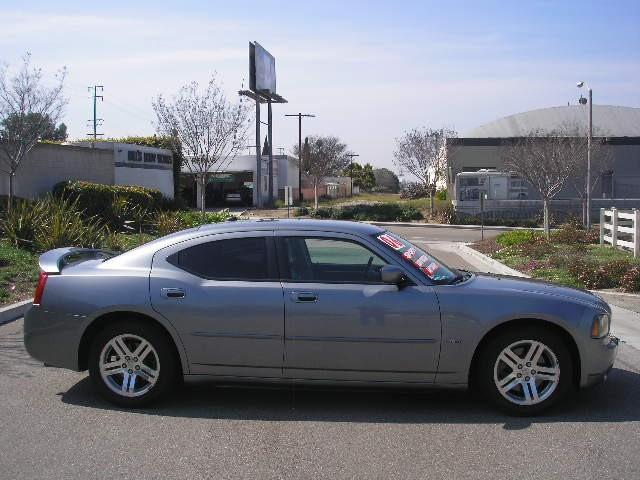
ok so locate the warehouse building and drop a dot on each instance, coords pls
(475, 165)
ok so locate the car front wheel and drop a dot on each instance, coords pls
(132, 364)
(526, 370)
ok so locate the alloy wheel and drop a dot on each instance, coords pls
(527, 372)
(129, 365)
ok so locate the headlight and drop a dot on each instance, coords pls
(600, 326)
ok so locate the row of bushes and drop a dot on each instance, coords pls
(568, 249)
(375, 212)
(413, 191)
(57, 222)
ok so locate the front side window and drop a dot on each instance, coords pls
(329, 260)
(433, 269)
(231, 259)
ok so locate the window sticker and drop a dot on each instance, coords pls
(421, 261)
(392, 242)
(409, 253)
(431, 269)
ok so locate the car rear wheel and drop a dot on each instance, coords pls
(132, 364)
(525, 370)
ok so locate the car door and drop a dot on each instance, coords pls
(222, 294)
(343, 323)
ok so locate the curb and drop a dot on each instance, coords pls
(445, 225)
(14, 311)
(494, 265)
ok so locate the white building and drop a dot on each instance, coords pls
(102, 162)
(139, 165)
(233, 183)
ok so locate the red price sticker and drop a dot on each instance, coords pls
(392, 242)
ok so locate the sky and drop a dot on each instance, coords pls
(368, 70)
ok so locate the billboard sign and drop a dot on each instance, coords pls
(262, 69)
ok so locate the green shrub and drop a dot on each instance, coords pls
(64, 226)
(606, 275)
(167, 222)
(373, 212)
(569, 234)
(301, 212)
(20, 225)
(447, 215)
(51, 223)
(441, 194)
(516, 237)
(630, 281)
(195, 219)
(112, 204)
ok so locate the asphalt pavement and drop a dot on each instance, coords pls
(53, 425)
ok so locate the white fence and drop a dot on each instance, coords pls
(614, 223)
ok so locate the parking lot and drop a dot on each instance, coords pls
(55, 426)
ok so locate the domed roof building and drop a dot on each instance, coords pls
(608, 120)
(482, 150)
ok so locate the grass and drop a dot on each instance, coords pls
(18, 273)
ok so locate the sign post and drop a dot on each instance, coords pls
(288, 198)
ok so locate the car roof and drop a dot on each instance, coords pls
(340, 226)
(140, 254)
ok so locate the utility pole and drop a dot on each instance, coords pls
(299, 115)
(589, 142)
(351, 155)
(95, 120)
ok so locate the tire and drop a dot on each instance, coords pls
(113, 359)
(521, 387)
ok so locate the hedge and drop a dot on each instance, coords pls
(380, 212)
(96, 198)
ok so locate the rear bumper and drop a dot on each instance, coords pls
(599, 362)
(50, 338)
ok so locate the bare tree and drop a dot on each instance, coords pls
(322, 157)
(208, 128)
(422, 153)
(27, 109)
(546, 160)
(601, 162)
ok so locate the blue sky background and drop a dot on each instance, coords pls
(368, 69)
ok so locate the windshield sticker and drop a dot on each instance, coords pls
(431, 269)
(392, 242)
(421, 261)
(409, 253)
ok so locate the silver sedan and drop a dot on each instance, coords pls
(311, 301)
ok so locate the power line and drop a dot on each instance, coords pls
(96, 120)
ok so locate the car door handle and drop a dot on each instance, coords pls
(172, 292)
(304, 297)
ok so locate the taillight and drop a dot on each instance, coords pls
(42, 281)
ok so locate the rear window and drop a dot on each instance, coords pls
(232, 259)
(420, 260)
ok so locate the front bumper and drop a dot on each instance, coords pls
(51, 339)
(599, 362)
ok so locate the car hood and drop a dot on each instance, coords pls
(538, 287)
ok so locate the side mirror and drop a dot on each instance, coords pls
(393, 275)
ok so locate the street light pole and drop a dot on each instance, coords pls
(299, 115)
(351, 155)
(589, 142)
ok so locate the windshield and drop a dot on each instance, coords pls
(426, 264)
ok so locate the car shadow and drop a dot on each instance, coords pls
(615, 401)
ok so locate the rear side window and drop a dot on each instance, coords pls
(232, 259)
